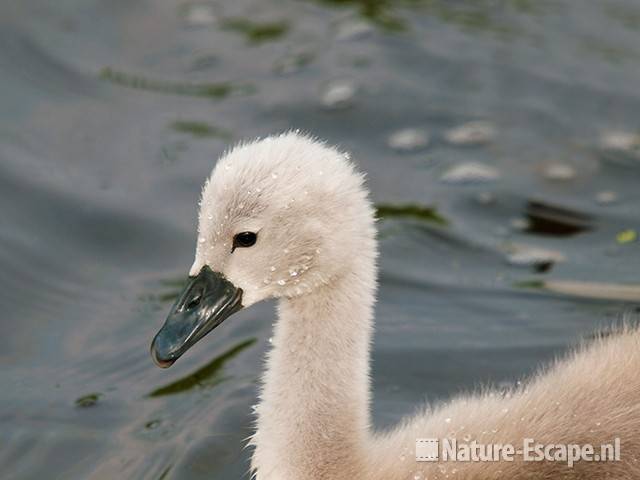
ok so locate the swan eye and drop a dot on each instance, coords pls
(244, 240)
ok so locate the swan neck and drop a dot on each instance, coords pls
(316, 388)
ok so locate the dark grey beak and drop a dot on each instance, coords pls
(207, 300)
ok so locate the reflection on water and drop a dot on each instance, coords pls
(546, 219)
(88, 400)
(257, 32)
(592, 290)
(501, 145)
(200, 129)
(208, 90)
(205, 377)
(419, 212)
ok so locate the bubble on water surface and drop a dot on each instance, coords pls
(620, 141)
(485, 198)
(338, 94)
(529, 256)
(353, 29)
(559, 172)
(199, 15)
(470, 172)
(621, 147)
(519, 223)
(408, 140)
(606, 197)
(472, 133)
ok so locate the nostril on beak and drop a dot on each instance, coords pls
(194, 302)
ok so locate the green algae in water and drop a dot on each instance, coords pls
(174, 286)
(165, 474)
(200, 129)
(293, 62)
(215, 91)
(258, 32)
(152, 424)
(627, 236)
(469, 15)
(205, 377)
(531, 284)
(627, 17)
(412, 210)
(379, 12)
(89, 400)
(167, 292)
(612, 53)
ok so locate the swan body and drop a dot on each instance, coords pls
(316, 252)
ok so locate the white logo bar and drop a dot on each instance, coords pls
(454, 450)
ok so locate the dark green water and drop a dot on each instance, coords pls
(112, 112)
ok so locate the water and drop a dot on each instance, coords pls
(113, 112)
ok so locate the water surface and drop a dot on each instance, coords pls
(113, 112)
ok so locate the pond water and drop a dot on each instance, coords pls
(500, 142)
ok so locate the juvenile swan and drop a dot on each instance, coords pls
(288, 217)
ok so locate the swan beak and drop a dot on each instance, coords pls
(207, 300)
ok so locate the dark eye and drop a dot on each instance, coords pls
(244, 240)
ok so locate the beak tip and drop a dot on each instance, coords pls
(163, 364)
(160, 362)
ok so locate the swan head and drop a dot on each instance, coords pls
(279, 217)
